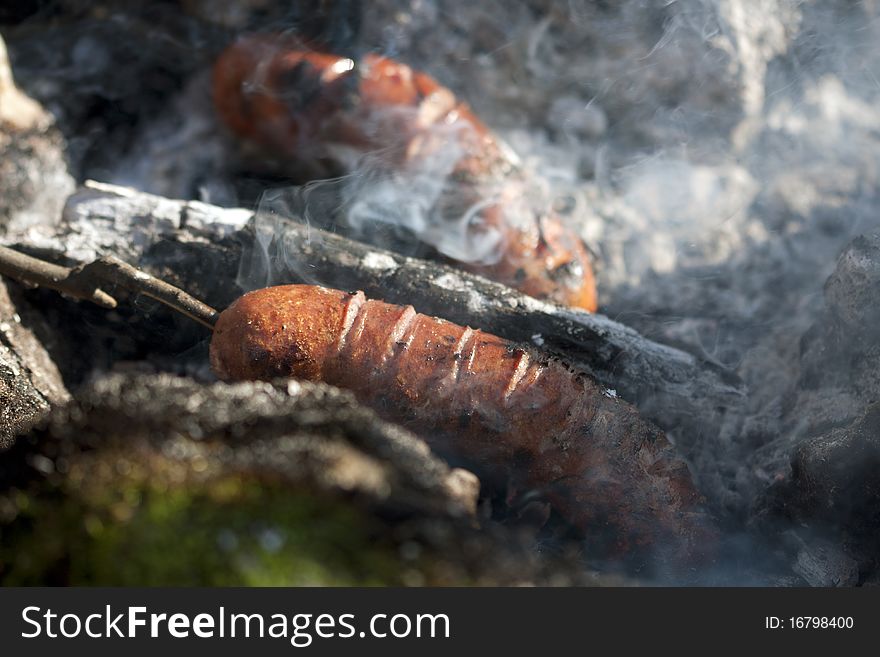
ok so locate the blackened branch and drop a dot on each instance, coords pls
(27, 269)
(86, 282)
(113, 270)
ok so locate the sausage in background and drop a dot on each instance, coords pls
(328, 112)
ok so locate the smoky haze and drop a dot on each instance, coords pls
(719, 157)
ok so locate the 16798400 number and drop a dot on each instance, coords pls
(820, 622)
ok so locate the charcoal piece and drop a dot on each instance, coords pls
(838, 381)
(851, 291)
(30, 383)
(832, 497)
(841, 348)
(825, 565)
(835, 479)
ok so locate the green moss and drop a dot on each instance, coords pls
(139, 529)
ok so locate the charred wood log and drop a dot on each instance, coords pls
(213, 252)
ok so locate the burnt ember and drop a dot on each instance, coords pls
(701, 176)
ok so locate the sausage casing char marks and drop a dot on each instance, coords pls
(311, 107)
(514, 417)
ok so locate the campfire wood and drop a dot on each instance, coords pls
(200, 248)
(650, 475)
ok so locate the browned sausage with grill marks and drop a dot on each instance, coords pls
(512, 415)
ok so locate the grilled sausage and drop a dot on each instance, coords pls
(516, 418)
(316, 107)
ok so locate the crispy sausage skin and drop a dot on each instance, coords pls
(312, 107)
(514, 417)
